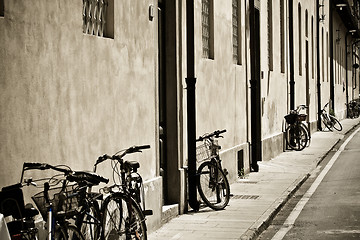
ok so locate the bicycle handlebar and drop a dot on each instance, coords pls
(129, 150)
(44, 166)
(210, 135)
(74, 176)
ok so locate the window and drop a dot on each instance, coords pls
(300, 40)
(207, 18)
(327, 56)
(2, 9)
(282, 36)
(323, 55)
(312, 48)
(270, 36)
(236, 22)
(98, 18)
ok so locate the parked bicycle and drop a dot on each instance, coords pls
(297, 134)
(353, 109)
(329, 120)
(22, 223)
(123, 210)
(213, 185)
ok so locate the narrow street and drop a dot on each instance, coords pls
(327, 206)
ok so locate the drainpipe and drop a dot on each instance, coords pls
(346, 74)
(318, 65)
(331, 33)
(191, 113)
(291, 55)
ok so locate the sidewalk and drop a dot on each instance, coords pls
(258, 197)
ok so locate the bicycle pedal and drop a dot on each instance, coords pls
(148, 212)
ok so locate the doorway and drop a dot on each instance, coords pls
(256, 146)
(168, 104)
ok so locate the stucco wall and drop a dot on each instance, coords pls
(67, 97)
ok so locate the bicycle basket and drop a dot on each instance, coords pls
(291, 118)
(206, 150)
(203, 152)
(301, 117)
(70, 201)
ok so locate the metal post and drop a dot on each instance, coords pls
(191, 110)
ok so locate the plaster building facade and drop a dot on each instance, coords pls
(78, 81)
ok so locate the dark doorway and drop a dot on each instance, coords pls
(256, 148)
(168, 114)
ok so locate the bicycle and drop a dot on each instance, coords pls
(88, 218)
(57, 204)
(123, 210)
(352, 109)
(329, 120)
(297, 134)
(22, 224)
(213, 185)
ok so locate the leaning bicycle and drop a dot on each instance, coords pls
(329, 120)
(123, 210)
(213, 185)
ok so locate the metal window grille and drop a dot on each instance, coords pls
(235, 23)
(94, 17)
(206, 28)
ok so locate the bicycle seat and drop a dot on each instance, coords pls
(30, 211)
(131, 165)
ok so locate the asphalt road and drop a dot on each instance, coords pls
(327, 206)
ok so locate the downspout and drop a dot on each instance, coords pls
(332, 82)
(191, 108)
(291, 56)
(318, 64)
(346, 74)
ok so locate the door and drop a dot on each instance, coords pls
(256, 148)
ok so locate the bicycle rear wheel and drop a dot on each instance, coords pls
(122, 218)
(296, 137)
(213, 186)
(327, 122)
(336, 124)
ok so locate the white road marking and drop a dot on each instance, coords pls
(289, 222)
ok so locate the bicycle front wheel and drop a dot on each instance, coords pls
(122, 218)
(68, 232)
(89, 221)
(213, 186)
(336, 124)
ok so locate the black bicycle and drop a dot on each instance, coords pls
(57, 204)
(213, 185)
(297, 134)
(122, 214)
(329, 120)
